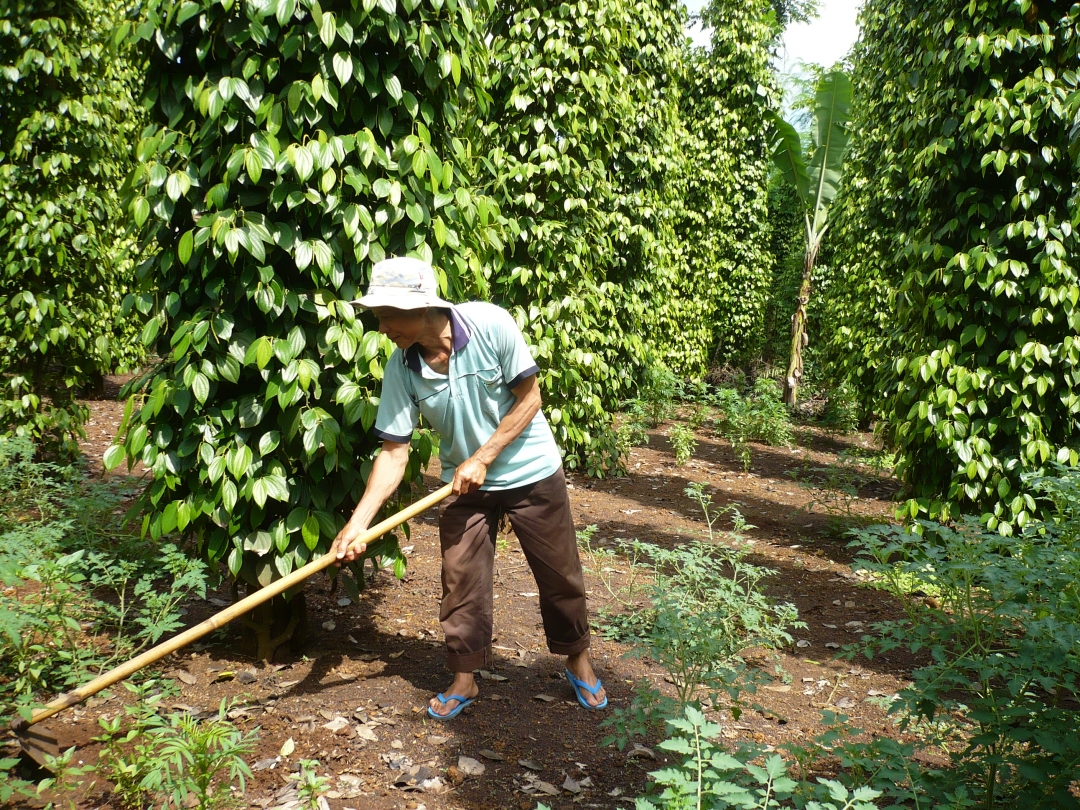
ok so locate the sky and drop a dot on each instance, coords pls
(823, 40)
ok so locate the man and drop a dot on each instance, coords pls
(467, 370)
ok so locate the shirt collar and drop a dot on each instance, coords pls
(460, 333)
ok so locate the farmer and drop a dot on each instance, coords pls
(467, 370)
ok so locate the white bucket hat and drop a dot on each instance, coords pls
(402, 283)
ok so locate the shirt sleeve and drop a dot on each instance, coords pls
(398, 410)
(514, 355)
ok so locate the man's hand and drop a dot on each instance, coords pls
(347, 546)
(469, 475)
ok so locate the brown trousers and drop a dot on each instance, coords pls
(540, 516)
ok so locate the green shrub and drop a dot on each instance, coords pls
(683, 442)
(174, 760)
(88, 592)
(709, 778)
(842, 410)
(67, 121)
(290, 148)
(957, 289)
(703, 607)
(712, 311)
(761, 416)
(1004, 647)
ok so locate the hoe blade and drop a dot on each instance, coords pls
(38, 744)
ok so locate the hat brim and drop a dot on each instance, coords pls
(398, 299)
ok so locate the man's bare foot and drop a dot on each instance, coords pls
(581, 668)
(464, 684)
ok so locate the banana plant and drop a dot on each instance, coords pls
(816, 183)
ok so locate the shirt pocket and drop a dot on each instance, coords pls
(487, 390)
(435, 407)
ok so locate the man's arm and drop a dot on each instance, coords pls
(386, 475)
(471, 473)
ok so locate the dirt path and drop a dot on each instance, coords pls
(356, 702)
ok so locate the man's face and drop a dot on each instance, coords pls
(403, 326)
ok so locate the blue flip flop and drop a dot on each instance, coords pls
(579, 684)
(462, 703)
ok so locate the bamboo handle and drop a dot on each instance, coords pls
(222, 618)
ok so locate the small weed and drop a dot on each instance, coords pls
(87, 591)
(706, 776)
(601, 562)
(698, 415)
(1005, 644)
(630, 433)
(841, 412)
(704, 606)
(834, 490)
(683, 443)
(760, 417)
(177, 759)
(309, 785)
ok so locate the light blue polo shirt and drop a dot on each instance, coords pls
(489, 358)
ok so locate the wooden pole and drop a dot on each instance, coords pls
(218, 620)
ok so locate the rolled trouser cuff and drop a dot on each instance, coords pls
(467, 662)
(572, 648)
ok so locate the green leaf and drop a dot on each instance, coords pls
(253, 164)
(832, 111)
(788, 157)
(263, 352)
(114, 456)
(343, 67)
(200, 386)
(183, 249)
(393, 87)
(311, 532)
(141, 210)
(328, 28)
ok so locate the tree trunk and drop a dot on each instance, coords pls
(274, 629)
(799, 337)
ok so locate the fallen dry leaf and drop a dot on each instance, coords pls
(365, 733)
(571, 786)
(470, 766)
(187, 677)
(495, 756)
(531, 764)
(287, 747)
(336, 725)
(543, 697)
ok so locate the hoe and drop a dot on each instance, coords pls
(39, 745)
